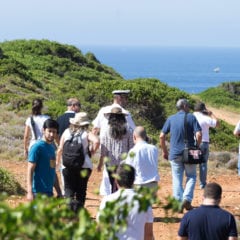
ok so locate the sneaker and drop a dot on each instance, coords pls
(185, 204)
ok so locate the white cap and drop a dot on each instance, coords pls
(120, 92)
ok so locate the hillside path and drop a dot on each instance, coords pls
(226, 115)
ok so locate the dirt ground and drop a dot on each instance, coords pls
(228, 116)
(164, 229)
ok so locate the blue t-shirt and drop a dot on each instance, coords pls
(43, 154)
(175, 125)
(208, 222)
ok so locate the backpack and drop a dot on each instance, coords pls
(73, 154)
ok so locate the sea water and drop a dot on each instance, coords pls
(190, 69)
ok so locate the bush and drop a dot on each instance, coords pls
(9, 184)
(49, 218)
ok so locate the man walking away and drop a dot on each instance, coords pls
(175, 126)
(139, 224)
(209, 221)
(144, 158)
(206, 120)
(73, 106)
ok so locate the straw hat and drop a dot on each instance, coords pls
(80, 119)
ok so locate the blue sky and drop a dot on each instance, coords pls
(123, 22)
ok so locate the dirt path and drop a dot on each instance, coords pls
(165, 228)
(228, 116)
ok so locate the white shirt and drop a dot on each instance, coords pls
(205, 122)
(144, 158)
(237, 128)
(38, 125)
(102, 122)
(136, 220)
(87, 162)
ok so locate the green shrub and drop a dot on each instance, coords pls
(49, 218)
(8, 184)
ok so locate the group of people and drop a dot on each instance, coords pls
(123, 144)
(208, 221)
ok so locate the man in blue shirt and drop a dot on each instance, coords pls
(209, 221)
(175, 126)
(41, 163)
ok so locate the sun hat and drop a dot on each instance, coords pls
(119, 92)
(115, 110)
(80, 119)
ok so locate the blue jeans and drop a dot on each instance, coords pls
(203, 166)
(178, 167)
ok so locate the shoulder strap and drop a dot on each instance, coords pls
(185, 130)
(33, 127)
(79, 136)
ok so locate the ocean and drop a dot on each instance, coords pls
(190, 69)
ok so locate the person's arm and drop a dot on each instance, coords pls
(57, 187)
(232, 238)
(163, 146)
(182, 238)
(199, 137)
(95, 130)
(95, 142)
(100, 164)
(148, 231)
(211, 115)
(236, 131)
(26, 140)
(57, 139)
(59, 152)
(30, 170)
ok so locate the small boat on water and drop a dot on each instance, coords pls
(216, 70)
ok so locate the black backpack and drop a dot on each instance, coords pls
(73, 154)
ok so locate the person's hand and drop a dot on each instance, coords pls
(165, 155)
(25, 153)
(99, 167)
(30, 196)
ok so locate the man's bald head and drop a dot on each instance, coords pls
(140, 133)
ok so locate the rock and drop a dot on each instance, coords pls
(231, 164)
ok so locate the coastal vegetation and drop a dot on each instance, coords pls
(226, 95)
(55, 72)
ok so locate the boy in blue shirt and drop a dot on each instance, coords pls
(41, 163)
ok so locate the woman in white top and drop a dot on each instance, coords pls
(236, 132)
(34, 125)
(76, 180)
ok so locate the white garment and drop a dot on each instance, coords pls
(105, 186)
(38, 121)
(237, 128)
(136, 220)
(144, 158)
(87, 162)
(102, 122)
(205, 122)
